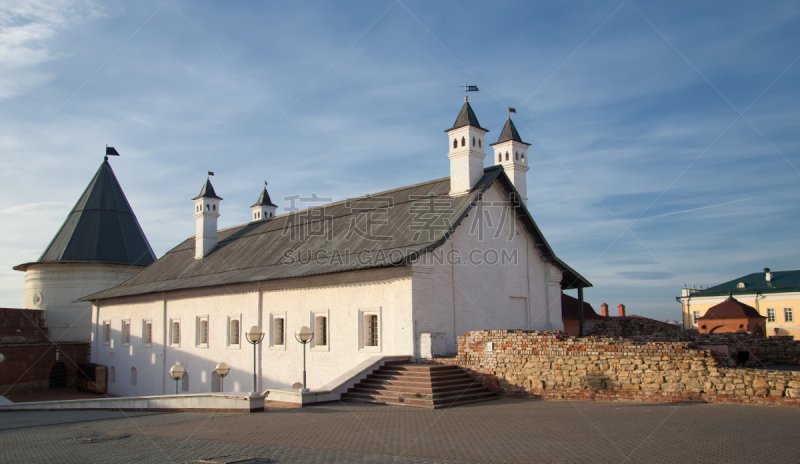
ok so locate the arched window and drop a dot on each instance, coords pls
(516, 155)
(208, 207)
(506, 156)
(214, 207)
(479, 143)
(499, 157)
(112, 374)
(523, 157)
(133, 376)
(473, 141)
(270, 214)
(463, 141)
(455, 143)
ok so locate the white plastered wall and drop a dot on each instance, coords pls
(454, 298)
(55, 287)
(342, 297)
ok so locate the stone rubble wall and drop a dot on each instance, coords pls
(554, 365)
(781, 350)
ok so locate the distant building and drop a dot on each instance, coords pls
(731, 316)
(774, 295)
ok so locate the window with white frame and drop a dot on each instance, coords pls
(147, 333)
(787, 315)
(770, 314)
(106, 332)
(202, 332)
(695, 316)
(126, 332)
(278, 331)
(175, 332)
(320, 328)
(370, 329)
(233, 332)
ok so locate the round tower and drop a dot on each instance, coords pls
(99, 246)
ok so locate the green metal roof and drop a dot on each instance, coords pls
(101, 228)
(782, 281)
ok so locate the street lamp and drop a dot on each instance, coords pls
(222, 370)
(177, 372)
(304, 335)
(254, 337)
(2, 358)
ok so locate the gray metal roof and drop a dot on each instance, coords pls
(413, 220)
(466, 117)
(101, 228)
(264, 199)
(509, 133)
(207, 191)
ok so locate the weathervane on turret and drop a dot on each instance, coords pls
(469, 88)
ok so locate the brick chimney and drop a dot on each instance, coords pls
(621, 309)
(604, 310)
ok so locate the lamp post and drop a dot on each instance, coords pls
(222, 370)
(177, 372)
(254, 337)
(304, 335)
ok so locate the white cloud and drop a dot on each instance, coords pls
(28, 32)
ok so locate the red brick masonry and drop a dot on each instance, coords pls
(554, 365)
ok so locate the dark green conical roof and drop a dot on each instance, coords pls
(509, 133)
(264, 199)
(101, 228)
(466, 117)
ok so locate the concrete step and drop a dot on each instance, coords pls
(412, 394)
(389, 386)
(420, 402)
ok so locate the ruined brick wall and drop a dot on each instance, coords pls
(781, 350)
(553, 365)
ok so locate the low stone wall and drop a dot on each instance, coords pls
(553, 365)
(780, 350)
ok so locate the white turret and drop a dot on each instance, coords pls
(206, 212)
(511, 153)
(466, 151)
(264, 209)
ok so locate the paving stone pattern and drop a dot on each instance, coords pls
(501, 431)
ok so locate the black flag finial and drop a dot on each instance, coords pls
(210, 173)
(469, 88)
(110, 151)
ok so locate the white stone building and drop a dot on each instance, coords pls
(402, 272)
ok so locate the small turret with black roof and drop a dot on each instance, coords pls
(511, 153)
(264, 209)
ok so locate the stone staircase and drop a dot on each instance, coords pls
(419, 385)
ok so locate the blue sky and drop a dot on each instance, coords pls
(665, 146)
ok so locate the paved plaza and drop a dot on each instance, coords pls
(500, 431)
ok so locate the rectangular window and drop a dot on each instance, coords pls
(106, 332)
(202, 331)
(695, 316)
(277, 331)
(234, 332)
(147, 333)
(175, 336)
(787, 315)
(321, 331)
(371, 330)
(770, 314)
(126, 333)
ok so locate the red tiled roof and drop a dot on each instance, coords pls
(731, 309)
